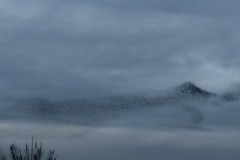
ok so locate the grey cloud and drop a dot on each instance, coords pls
(77, 48)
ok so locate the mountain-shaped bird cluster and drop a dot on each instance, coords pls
(92, 107)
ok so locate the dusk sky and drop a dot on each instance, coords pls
(75, 48)
(105, 79)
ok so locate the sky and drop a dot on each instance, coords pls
(76, 48)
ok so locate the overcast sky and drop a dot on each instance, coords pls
(75, 48)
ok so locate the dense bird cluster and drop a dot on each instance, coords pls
(95, 108)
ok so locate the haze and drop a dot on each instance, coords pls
(96, 79)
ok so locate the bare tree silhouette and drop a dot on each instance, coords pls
(36, 152)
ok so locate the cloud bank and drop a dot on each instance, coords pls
(71, 49)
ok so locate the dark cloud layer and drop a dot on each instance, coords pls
(64, 49)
